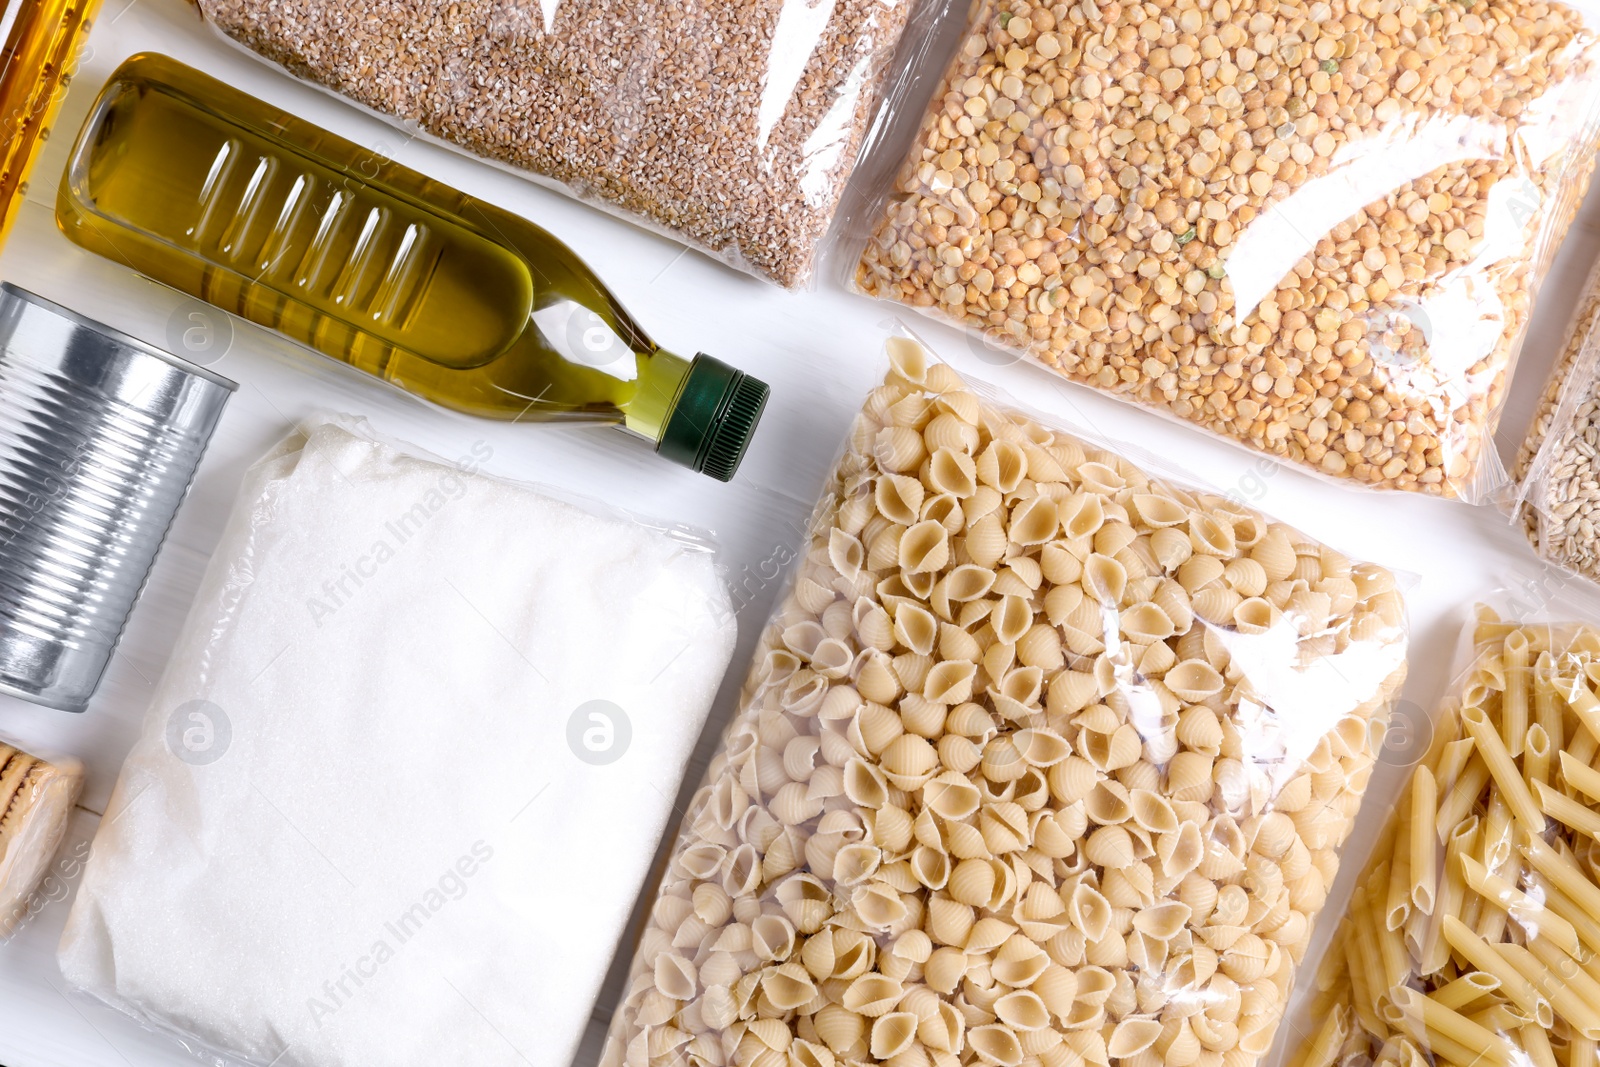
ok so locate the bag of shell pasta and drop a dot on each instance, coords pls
(1313, 227)
(1558, 472)
(1041, 761)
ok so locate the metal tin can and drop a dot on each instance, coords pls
(100, 435)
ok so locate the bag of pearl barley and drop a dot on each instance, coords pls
(1040, 761)
(1558, 474)
(1315, 227)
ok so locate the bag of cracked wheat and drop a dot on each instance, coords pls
(732, 127)
(1558, 467)
(1312, 227)
(1041, 761)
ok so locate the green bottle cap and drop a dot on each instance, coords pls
(715, 416)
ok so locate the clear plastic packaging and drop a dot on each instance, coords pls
(1558, 480)
(732, 127)
(37, 796)
(1040, 761)
(1313, 228)
(1472, 931)
(359, 823)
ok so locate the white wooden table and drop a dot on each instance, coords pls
(819, 350)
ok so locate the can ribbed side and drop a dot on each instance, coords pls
(99, 439)
(81, 485)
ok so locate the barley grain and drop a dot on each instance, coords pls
(1556, 468)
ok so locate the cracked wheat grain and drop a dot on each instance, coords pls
(732, 126)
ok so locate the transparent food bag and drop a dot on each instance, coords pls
(730, 126)
(1471, 935)
(1558, 480)
(399, 785)
(37, 796)
(1041, 760)
(1314, 228)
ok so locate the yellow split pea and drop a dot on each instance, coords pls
(1089, 170)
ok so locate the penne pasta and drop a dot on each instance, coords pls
(1420, 833)
(1547, 703)
(1439, 1047)
(1467, 990)
(1584, 746)
(1363, 972)
(1535, 918)
(1567, 811)
(1584, 704)
(1561, 871)
(1397, 894)
(1449, 1029)
(1512, 983)
(1536, 1040)
(1488, 628)
(1585, 924)
(1371, 965)
(1581, 1051)
(1498, 1018)
(1416, 933)
(1452, 759)
(1394, 954)
(1536, 756)
(1323, 1047)
(1572, 993)
(1483, 949)
(1499, 856)
(1507, 778)
(1514, 701)
(1460, 798)
(1580, 776)
(1452, 897)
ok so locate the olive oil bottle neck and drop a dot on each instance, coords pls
(661, 378)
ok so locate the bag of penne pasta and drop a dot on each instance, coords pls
(1472, 932)
(1041, 761)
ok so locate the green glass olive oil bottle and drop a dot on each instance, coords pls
(211, 191)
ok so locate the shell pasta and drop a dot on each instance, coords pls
(1041, 762)
(1498, 966)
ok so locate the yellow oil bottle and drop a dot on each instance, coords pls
(211, 191)
(38, 45)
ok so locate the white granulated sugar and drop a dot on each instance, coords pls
(353, 830)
